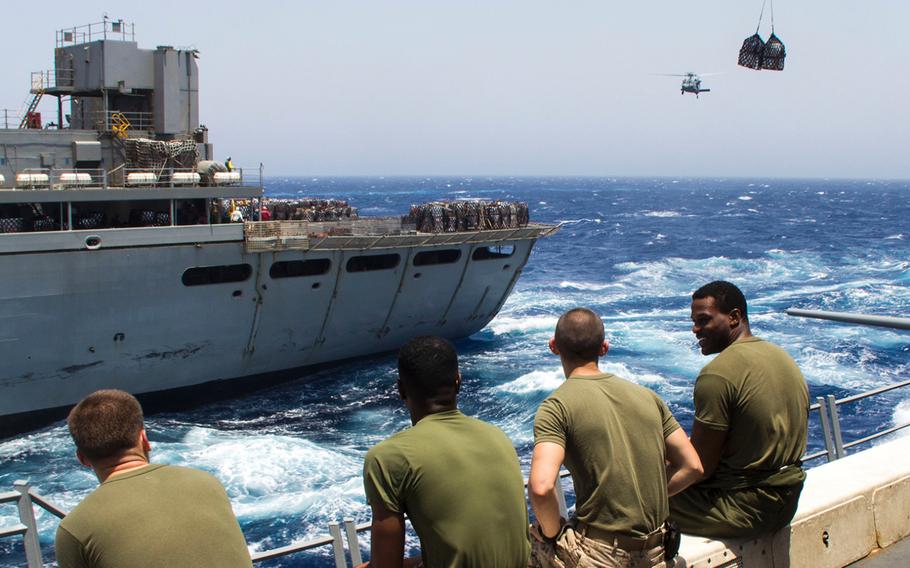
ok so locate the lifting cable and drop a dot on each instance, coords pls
(761, 16)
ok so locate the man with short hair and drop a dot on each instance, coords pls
(625, 452)
(142, 515)
(751, 414)
(456, 478)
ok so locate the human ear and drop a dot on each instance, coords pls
(553, 349)
(735, 317)
(144, 441)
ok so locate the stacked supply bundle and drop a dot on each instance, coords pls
(757, 54)
(467, 215)
(310, 209)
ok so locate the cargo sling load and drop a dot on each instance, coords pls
(758, 54)
(121, 266)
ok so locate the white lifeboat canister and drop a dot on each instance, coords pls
(141, 178)
(185, 178)
(30, 179)
(226, 178)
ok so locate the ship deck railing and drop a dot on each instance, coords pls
(105, 29)
(127, 178)
(50, 79)
(373, 233)
(121, 121)
(343, 536)
(10, 116)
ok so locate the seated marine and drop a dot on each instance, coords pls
(751, 415)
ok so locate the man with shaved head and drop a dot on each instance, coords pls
(624, 449)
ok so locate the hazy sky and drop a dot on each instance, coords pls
(344, 87)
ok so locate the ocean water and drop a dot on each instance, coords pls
(632, 250)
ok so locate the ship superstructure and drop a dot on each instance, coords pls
(120, 267)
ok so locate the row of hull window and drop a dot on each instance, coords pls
(204, 275)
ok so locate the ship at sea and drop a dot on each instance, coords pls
(121, 268)
(633, 249)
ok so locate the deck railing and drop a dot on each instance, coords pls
(106, 29)
(835, 448)
(129, 178)
(122, 121)
(51, 79)
(343, 536)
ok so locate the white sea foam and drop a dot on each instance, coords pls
(266, 473)
(744, 198)
(902, 416)
(503, 325)
(592, 286)
(578, 221)
(661, 214)
(544, 380)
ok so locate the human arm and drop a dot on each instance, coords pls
(68, 550)
(386, 540)
(545, 464)
(683, 465)
(383, 469)
(709, 443)
(715, 398)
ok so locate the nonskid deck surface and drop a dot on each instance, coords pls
(898, 554)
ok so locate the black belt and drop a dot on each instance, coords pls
(623, 541)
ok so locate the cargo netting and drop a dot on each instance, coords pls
(758, 54)
(774, 54)
(308, 210)
(752, 51)
(468, 215)
(158, 154)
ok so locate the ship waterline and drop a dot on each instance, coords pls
(166, 316)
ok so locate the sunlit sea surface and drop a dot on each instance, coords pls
(631, 249)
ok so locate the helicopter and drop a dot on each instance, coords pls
(691, 82)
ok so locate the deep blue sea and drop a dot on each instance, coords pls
(632, 250)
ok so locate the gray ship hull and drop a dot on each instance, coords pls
(73, 321)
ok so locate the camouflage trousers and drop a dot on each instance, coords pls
(574, 550)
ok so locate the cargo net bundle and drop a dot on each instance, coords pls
(758, 54)
(308, 210)
(467, 215)
(155, 155)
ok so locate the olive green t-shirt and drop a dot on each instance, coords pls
(153, 516)
(754, 391)
(458, 480)
(614, 433)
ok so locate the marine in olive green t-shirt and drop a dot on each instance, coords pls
(614, 434)
(754, 391)
(153, 516)
(458, 481)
